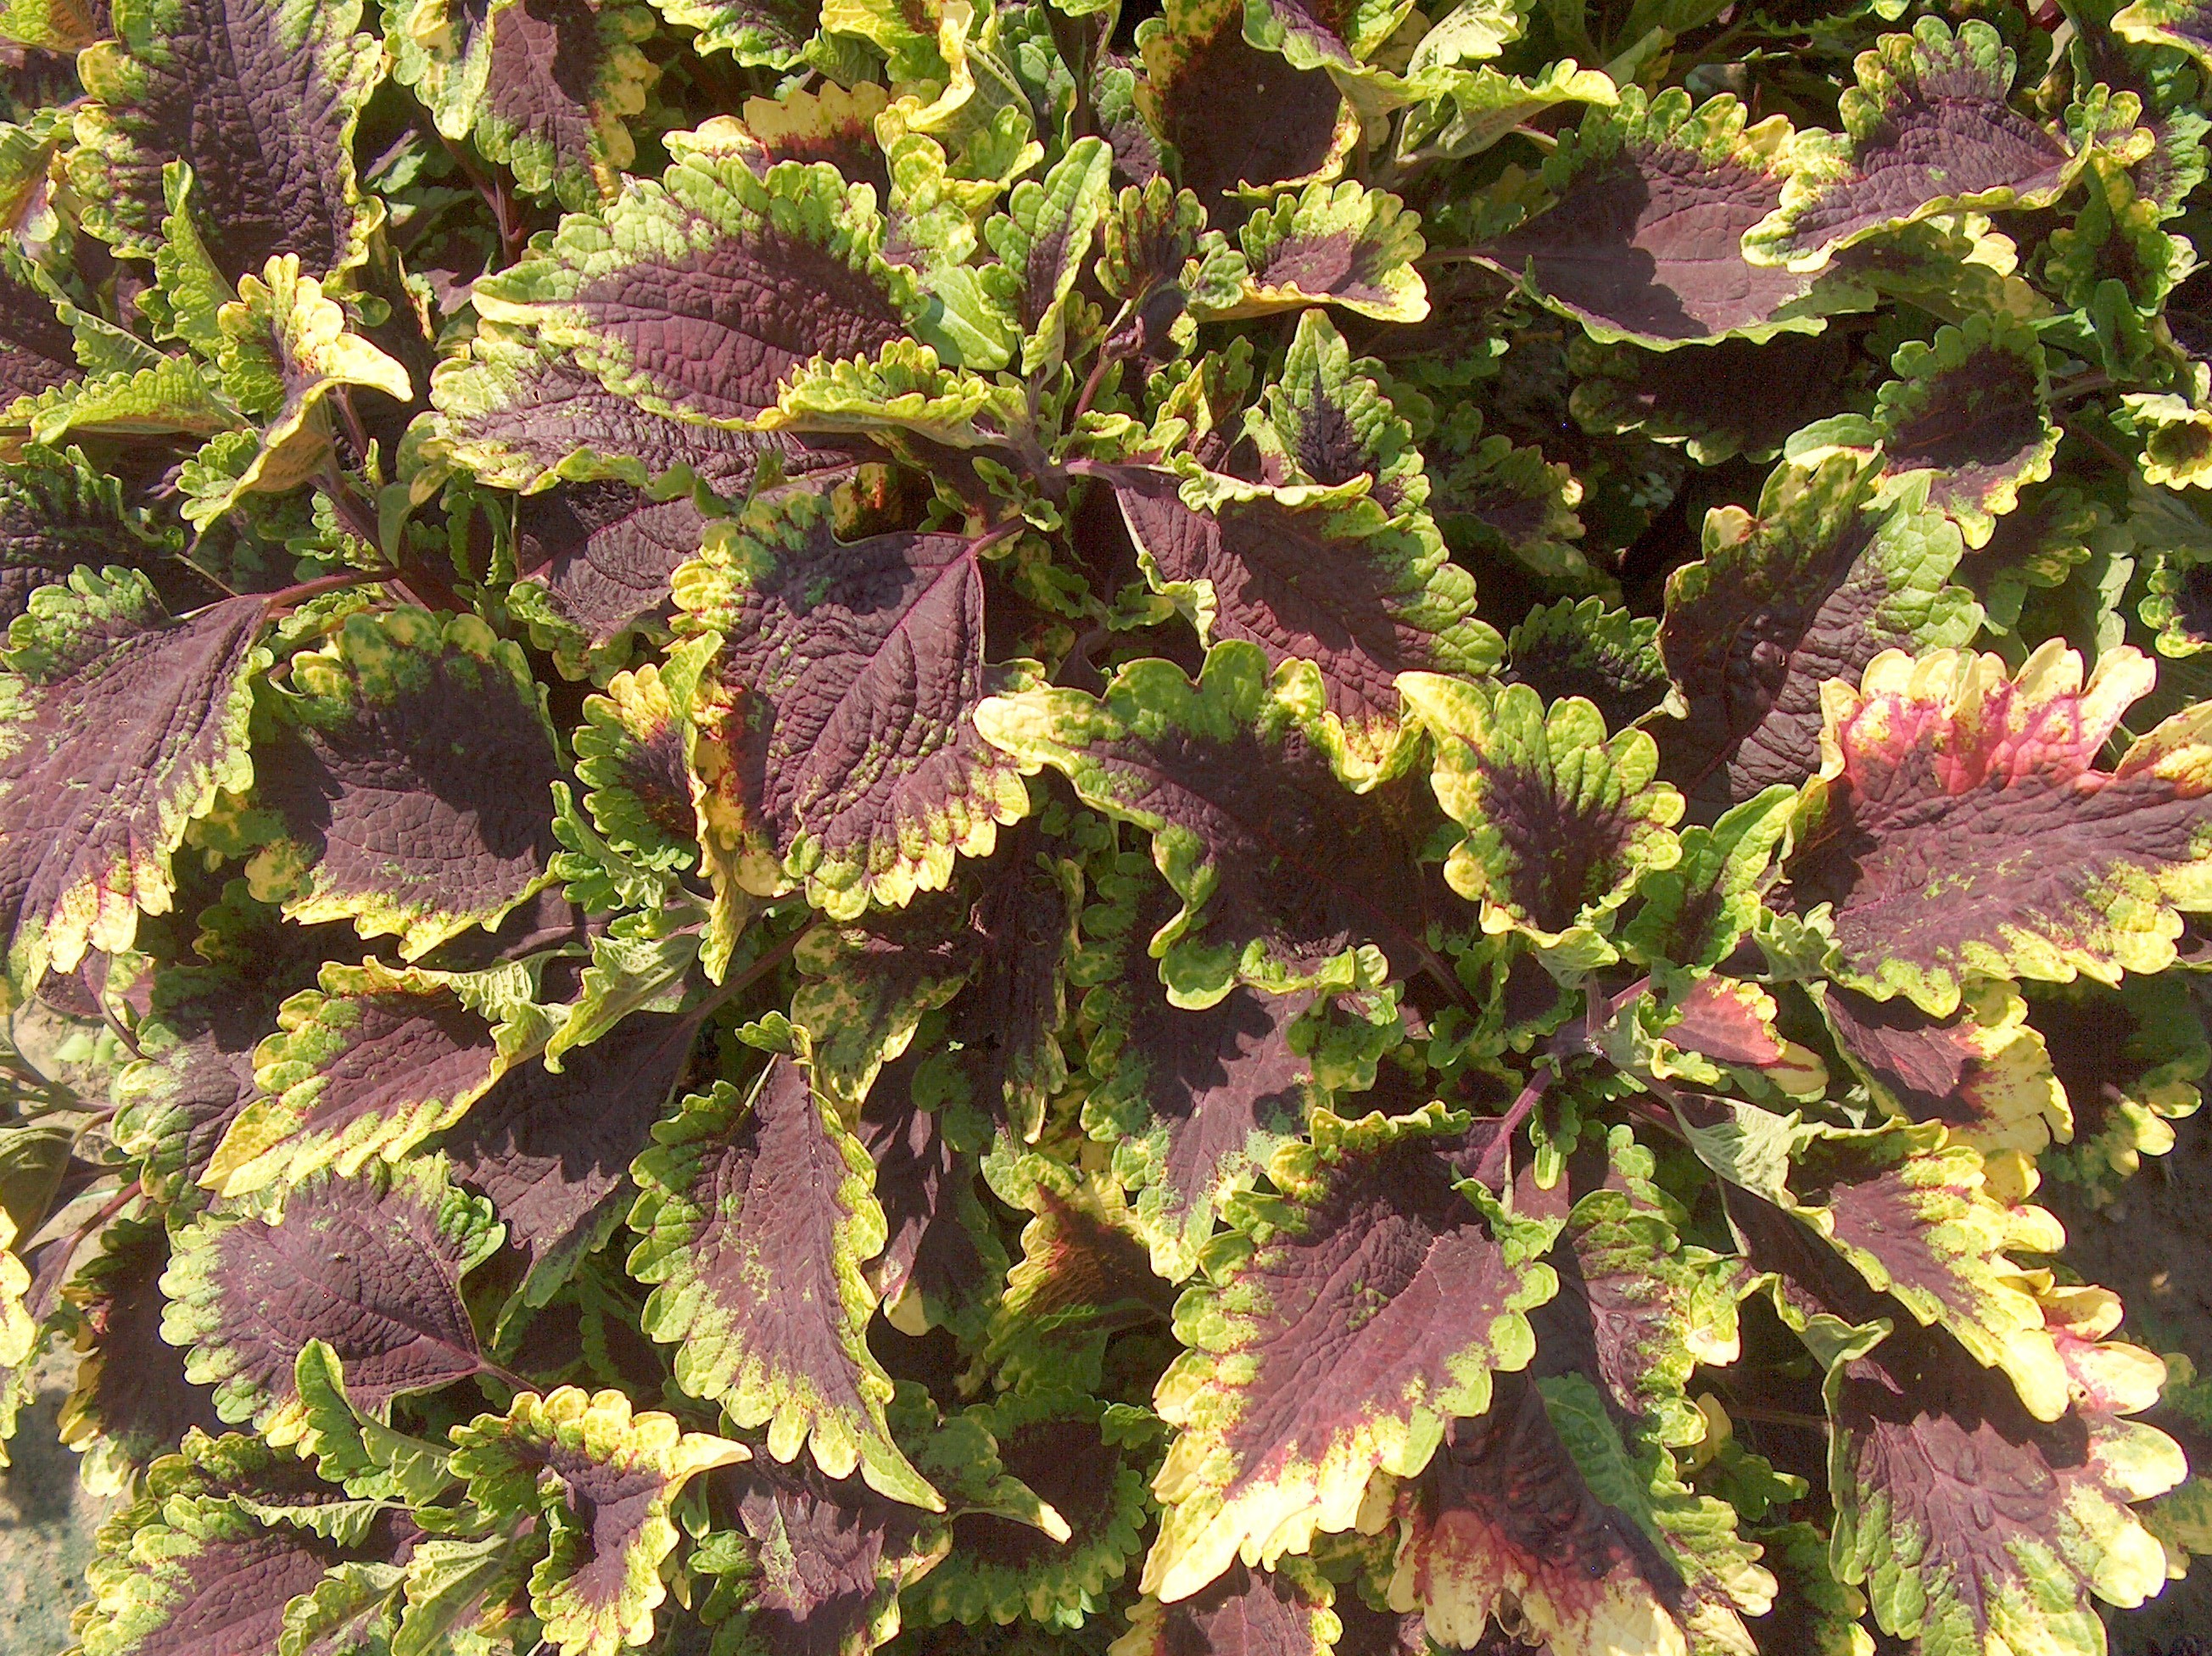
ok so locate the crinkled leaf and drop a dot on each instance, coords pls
(37, 349)
(407, 781)
(1326, 421)
(1366, 1306)
(1959, 824)
(1336, 245)
(755, 1218)
(2182, 23)
(1927, 129)
(118, 725)
(604, 1478)
(370, 1266)
(260, 98)
(56, 513)
(774, 34)
(1333, 582)
(1287, 882)
(1970, 409)
(1812, 587)
(2129, 1060)
(1046, 238)
(1649, 201)
(1242, 1612)
(1735, 397)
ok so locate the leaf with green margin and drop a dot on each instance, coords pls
(1709, 1030)
(370, 1266)
(1478, 107)
(2176, 439)
(1559, 820)
(1908, 1209)
(1971, 410)
(1063, 1446)
(1505, 1520)
(1287, 882)
(1813, 1612)
(1284, 1611)
(1649, 198)
(764, 34)
(553, 1150)
(1325, 1353)
(260, 98)
(54, 25)
(942, 1259)
(698, 295)
(1926, 130)
(867, 986)
(118, 725)
(1490, 496)
(1334, 580)
(1959, 825)
(2130, 1061)
(1288, 125)
(37, 349)
(1974, 1528)
(1606, 656)
(1045, 236)
(833, 739)
(603, 1479)
(1982, 1071)
(1812, 587)
(1325, 420)
(56, 512)
(442, 717)
(130, 1400)
(2182, 23)
(355, 1450)
(1695, 913)
(1160, 260)
(1334, 245)
(175, 396)
(630, 758)
(2056, 530)
(902, 397)
(1333, 34)
(755, 1219)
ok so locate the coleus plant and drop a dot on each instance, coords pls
(1011, 825)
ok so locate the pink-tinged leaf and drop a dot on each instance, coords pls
(118, 726)
(835, 744)
(1959, 824)
(1366, 1307)
(1245, 1612)
(370, 1266)
(1336, 582)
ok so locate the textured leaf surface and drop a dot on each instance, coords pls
(1371, 1303)
(370, 1266)
(1959, 824)
(1245, 1612)
(1970, 409)
(408, 780)
(604, 1479)
(835, 741)
(118, 726)
(756, 1217)
(130, 1389)
(1283, 879)
(259, 98)
(56, 513)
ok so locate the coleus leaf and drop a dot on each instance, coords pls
(1983, 1070)
(366, 1066)
(1909, 1211)
(129, 1401)
(370, 1266)
(37, 349)
(56, 513)
(1088, 1467)
(1505, 1517)
(1291, 124)
(2129, 1062)
(100, 682)
(1580, 648)
(630, 758)
(771, 33)
(1336, 581)
(1927, 129)
(405, 781)
(1696, 912)
(2182, 23)
(1337, 245)
(1286, 885)
(1045, 238)
(189, 1571)
(55, 25)
(1317, 36)
(744, 1198)
(1971, 409)
(1711, 1030)
(834, 742)
(553, 1149)
(1324, 420)
(594, 562)
(1493, 495)
(1283, 1612)
(604, 1479)
(1650, 198)
(1973, 1527)
(697, 295)
(868, 986)
(1959, 825)
(1560, 820)
(2176, 439)
(942, 1257)
(260, 98)
(1283, 1423)
(1814, 586)
(1735, 397)
(827, 1560)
